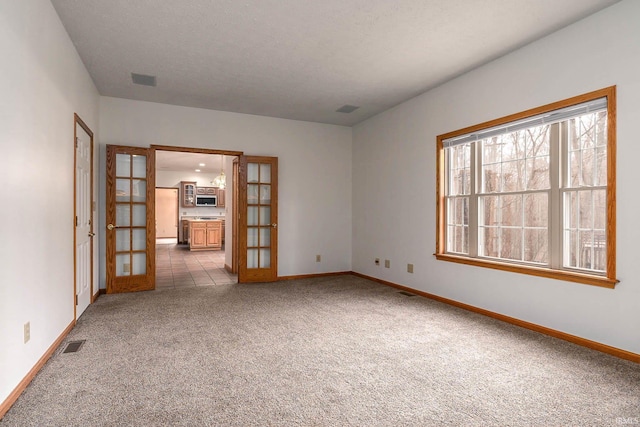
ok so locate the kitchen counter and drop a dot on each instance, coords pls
(205, 234)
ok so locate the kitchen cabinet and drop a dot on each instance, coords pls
(185, 231)
(206, 191)
(187, 194)
(205, 235)
(220, 194)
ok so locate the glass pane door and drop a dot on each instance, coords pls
(260, 233)
(129, 215)
(131, 218)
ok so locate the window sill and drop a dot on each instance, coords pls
(568, 276)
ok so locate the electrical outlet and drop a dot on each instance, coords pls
(409, 268)
(27, 332)
(318, 258)
(377, 261)
(387, 263)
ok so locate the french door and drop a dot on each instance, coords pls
(258, 232)
(130, 219)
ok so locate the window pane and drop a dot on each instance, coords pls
(587, 150)
(265, 258)
(123, 215)
(123, 165)
(139, 215)
(511, 210)
(265, 237)
(491, 178)
(585, 229)
(586, 210)
(252, 237)
(252, 215)
(139, 239)
(513, 176)
(490, 242)
(511, 242)
(536, 210)
(459, 175)
(538, 173)
(265, 173)
(123, 240)
(600, 209)
(536, 246)
(492, 150)
(139, 166)
(252, 172)
(123, 190)
(139, 190)
(458, 239)
(139, 263)
(538, 141)
(601, 166)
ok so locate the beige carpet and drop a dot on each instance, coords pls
(340, 351)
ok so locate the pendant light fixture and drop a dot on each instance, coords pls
(220, 181)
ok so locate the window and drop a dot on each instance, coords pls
(533, 192)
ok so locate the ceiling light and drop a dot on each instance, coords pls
(347, 109)
(202, 165)
(197, 170)
(143, 79)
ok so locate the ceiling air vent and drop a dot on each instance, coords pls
(347, 109)
(143, 79)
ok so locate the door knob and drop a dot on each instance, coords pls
(110, 227)
(274, 225)
(92, 234)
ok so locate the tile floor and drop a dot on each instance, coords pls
(178, 267)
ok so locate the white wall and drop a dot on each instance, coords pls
(173, 178)
(42, 83)
(394, 178)
(314, 187)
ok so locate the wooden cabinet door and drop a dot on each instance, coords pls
(187, 194)
(198, 236)
(213, 236)
(185, 231)
(221, 197)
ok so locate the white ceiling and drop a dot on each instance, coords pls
(300, 59)
(188, 162)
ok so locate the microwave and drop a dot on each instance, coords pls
(202, 200)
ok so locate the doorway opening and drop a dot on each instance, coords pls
(195, 244)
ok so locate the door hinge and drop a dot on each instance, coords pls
(76, 299)
(76, 142)
(76, 220)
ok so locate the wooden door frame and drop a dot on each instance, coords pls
(78, 121)
(237, 154)
(177, 210)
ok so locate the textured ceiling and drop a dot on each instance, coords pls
(189, 162)
(300, 59)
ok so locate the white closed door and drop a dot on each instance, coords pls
(84, 228)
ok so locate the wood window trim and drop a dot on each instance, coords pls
(608, 281)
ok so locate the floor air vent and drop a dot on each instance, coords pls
(408, 294)
(73, 346)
